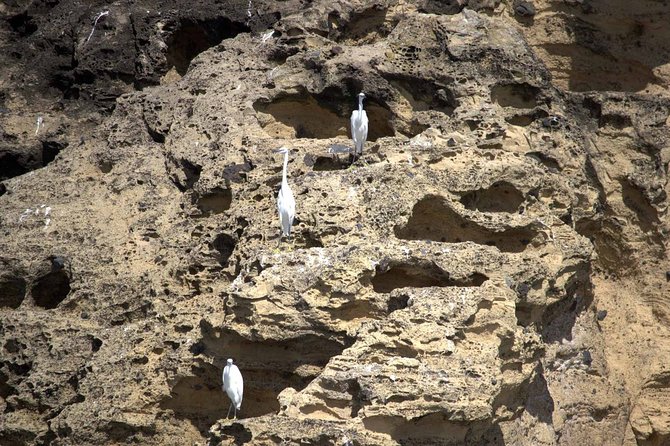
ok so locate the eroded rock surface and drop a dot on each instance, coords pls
(491, 271)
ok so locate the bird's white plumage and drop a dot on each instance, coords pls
(359, 126)
(233, 385)
(285, 200)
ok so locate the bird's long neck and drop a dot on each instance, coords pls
(360, 104)
(283, 177)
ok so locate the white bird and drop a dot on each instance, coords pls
(359, 125)
(285, 200)
(233, 385)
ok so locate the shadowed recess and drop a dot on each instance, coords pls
(435, 428)
(234, 433)
(588, 70)
(515, 95)
(419, 275)
(499, 197)
(215, 202)
(183, 173)
(268, 367)
(12, 290)
(424, 95)
(524, 119)
(321, 116)
(22, 24)
(51, 289)
(365, 26)
(433, 219)
(198, 397)
(224, 244)
(192, 37)
(634, 198)
(51, 149)
(326, 163)
(13, 164)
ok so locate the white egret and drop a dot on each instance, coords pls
(285, 200)
(233, 385)
(359, 126)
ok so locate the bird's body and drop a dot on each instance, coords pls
(233, 385)
(359, 126)
(285, 200)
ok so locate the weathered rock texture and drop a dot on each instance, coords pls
(491, 271)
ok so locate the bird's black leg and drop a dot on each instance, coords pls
(228, 414)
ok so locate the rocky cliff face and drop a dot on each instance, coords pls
(491, 271)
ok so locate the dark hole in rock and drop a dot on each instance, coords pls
(197, 348)
(234, 433)
(397, 302)
(325, 163)
(320, 116)
(50, 149)
(224, 245)
(546, 160)
(366, 25)
(525, 119)
(433, 219)
(616, 121)
(237, 172)
(567, 218)
(96, 344)
(499, 197)
(105, 166)
(183, 328)
(140, 360)
(64, 81)
(528, 314)
(51, 289)
(183, 173)
(420, 275)
(3, 189)
(11, 165)
(472, 124)
(5, 388)
(192, 37)
(425, 95)
(14, 346)
(156, 135)
(446, 7)
(216, 201)
(22, 24)
(311, 239)
(84, 76)
(635, 199)
(12, 290)
(21, 369)
(515, 95)
(520, 120)
(594, 107)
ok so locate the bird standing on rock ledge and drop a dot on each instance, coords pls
(285, 200)
(359, 126)
(233, 385)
